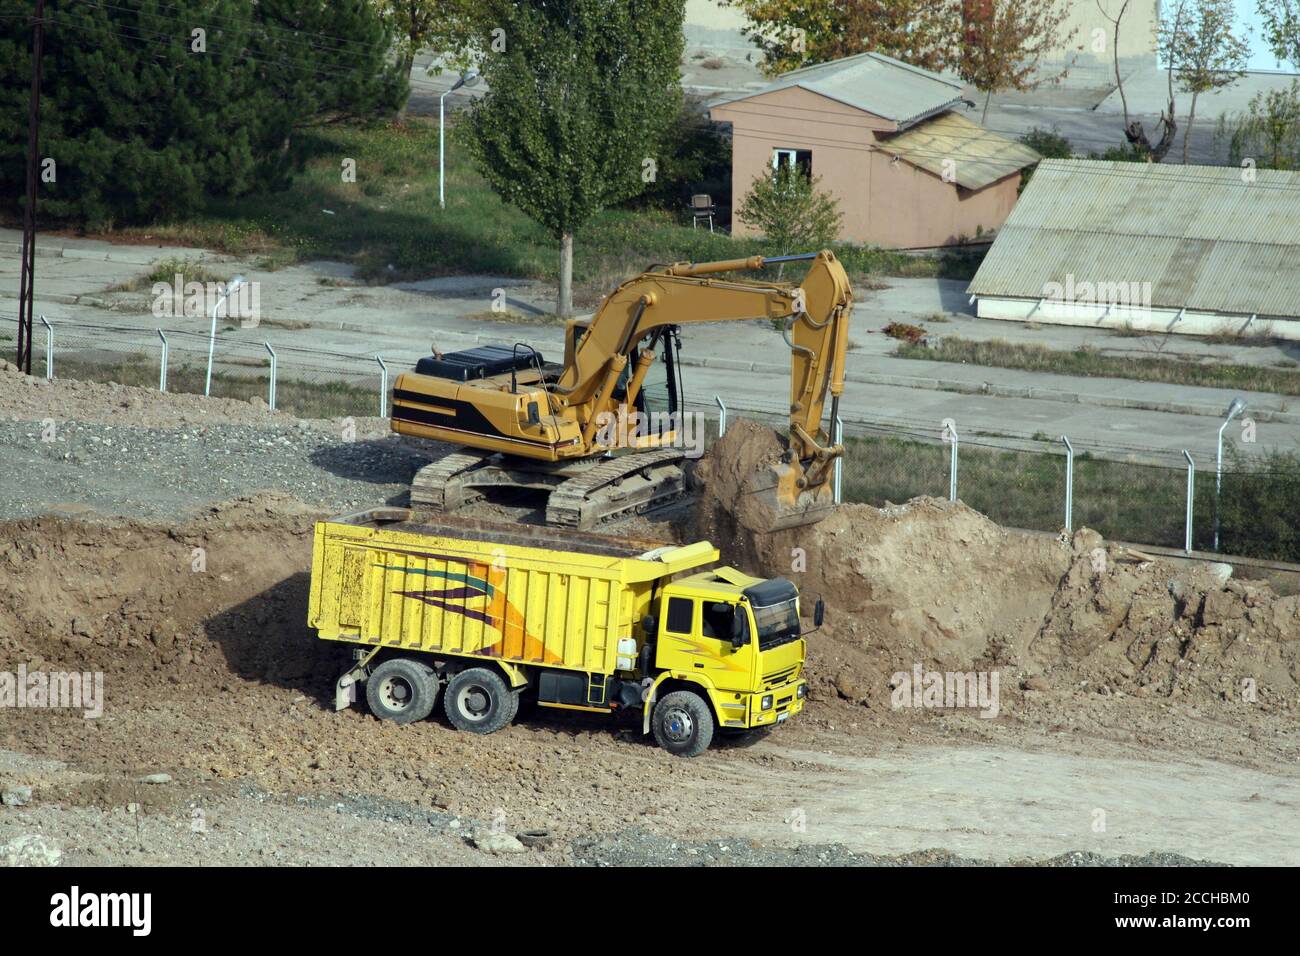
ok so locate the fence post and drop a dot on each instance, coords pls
(383, 387)
(49, 349)
(839, 461)
(950, 433)
(722, 416)
(1191, 498)
(162, 368)
(270, 399)
(1069, 485)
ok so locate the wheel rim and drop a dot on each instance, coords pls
(396, 693)
(678, 726)
(474, 702)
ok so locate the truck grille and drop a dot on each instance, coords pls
(776, 678)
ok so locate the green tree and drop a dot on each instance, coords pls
(1207, 54)
(1269, 133)
(1281, 29)
(445, 27)
(579, 95)
(791, 211)
(144, 118)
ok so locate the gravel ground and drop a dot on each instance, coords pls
(165, 473)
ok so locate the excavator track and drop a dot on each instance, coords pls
(627, 484)
(434, 486)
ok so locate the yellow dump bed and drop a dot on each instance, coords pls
(527, 595)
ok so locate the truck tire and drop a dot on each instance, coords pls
(402, 690)
(479, 701)
(683, 724)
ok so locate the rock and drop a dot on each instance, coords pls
(157, 778)
(850, 689)
(495, 843)
(537, 839)
(1036, 683)
(31, 849)
(16, 796)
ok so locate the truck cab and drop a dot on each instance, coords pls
(734, 639)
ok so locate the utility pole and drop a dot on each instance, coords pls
(27, 271)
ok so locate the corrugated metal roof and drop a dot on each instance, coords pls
(873, 82)
(1205, 239)
(979, 156)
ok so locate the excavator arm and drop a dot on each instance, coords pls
(814, 317)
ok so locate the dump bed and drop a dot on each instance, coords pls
(527, 595)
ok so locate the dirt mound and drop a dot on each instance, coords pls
(129, 596)
(1153, 627)
(936, 583)
(725, 476)
(32, 398)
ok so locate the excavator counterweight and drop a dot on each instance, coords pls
(522, 422)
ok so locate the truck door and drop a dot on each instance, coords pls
(697, 637)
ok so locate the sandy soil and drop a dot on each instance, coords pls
(1122, 723)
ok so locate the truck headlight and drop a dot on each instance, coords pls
(802, 692)
(767, 702)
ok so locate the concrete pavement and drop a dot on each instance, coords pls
(315, 305)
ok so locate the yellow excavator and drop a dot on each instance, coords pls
(599, 433)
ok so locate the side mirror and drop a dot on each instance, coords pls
(819, 612)
(739, 629)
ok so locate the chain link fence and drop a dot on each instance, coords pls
(309, 383)
(1125, 493)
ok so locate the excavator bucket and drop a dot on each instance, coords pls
(774, 500)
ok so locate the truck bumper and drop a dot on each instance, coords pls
(786, 701)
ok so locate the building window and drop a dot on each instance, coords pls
(800, 159)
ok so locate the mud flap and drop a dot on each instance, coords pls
(345, 688)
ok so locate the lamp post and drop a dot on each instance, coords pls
(234, 285)
(1236, 408)
(465, 79)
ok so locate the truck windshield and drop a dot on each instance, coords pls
(777, 624)
(775, 613)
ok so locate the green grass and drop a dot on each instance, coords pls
(1124, 501)
(389, 225)
(1092, 363)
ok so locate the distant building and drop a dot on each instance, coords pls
(1203, 250)
(892, 142)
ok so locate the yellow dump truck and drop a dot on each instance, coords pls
(486, 614)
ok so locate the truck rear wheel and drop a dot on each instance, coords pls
(402, 690)
(683, 724)
(479, 701)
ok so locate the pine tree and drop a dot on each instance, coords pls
(149, 107)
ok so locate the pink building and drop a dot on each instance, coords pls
(890, 141)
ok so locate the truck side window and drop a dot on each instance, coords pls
(717, 619)
(679, 615)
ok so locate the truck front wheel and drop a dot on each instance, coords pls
(479, 701)
(402, 690)
(683, 724)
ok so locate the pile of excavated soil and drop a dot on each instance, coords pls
(936, 583)
(33, 398)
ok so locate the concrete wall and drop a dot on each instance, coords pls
(1153, 319)
(1137, 40)
(885, 203)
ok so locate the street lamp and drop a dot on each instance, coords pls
(232, 286)
(1236, 408)
(465, 79)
